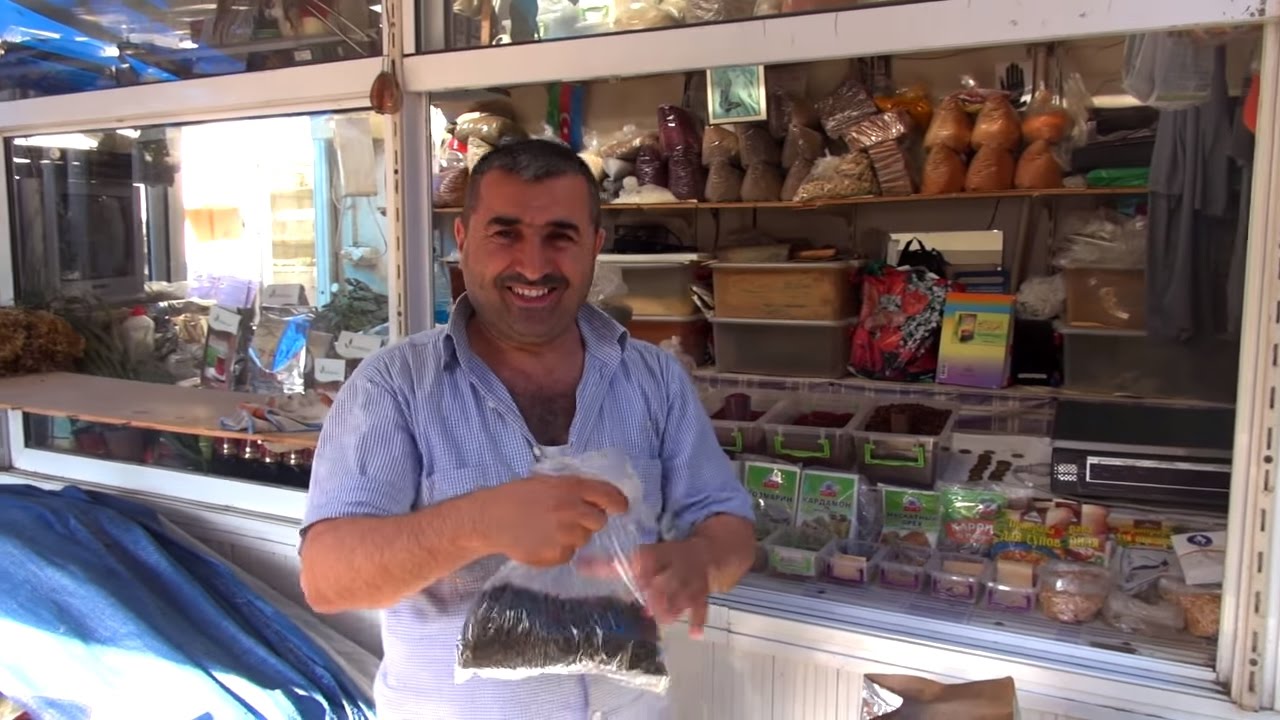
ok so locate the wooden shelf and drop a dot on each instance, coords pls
(1013, 393)
(148, 406)
(868, 200)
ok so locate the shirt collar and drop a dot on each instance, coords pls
(602, 336)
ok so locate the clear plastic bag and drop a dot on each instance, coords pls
(651, 167)
(451, 178)
(490, 128)
(756, 145)
(571, 620)
(678, 131)
(626, 143)
(1168, 70)
(991, 170)
(762, 183)
(997, 125)
(833, 178)
(1102, 239)
(724, 183)
(684, 174)
(1046, 120)
(607, 284)
(802, 143)
(795, 178)
(846, 107)
(1038, 168)
(719, 145)
(476, 150)
(951, 126)
(944, 171)
(878, 129)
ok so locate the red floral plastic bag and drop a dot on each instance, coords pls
(901, 323)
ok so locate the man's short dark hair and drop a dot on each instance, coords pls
(533, 161)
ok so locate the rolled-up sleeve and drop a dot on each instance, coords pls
(698, 479)
(367, 462)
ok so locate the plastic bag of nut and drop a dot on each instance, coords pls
(1073, 592)
(1202, 604)
(845, 176)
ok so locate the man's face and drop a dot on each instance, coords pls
(528, 255)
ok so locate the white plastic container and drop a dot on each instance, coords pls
(902, 458)
(811, 444)
(790, 348)
(657, 284)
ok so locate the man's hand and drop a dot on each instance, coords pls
(674, 578)
(542, 520)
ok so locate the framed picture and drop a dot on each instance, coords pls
(736, 94)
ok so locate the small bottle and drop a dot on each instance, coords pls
(138, 334)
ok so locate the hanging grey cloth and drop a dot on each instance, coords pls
(1242, 146)
(1192, 216)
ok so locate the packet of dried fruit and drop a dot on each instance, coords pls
(911, 517)
(1053, 530)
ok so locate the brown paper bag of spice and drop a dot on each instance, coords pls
(908, 697)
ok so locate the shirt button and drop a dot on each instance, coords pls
(537, 451)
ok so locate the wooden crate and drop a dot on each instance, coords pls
(784, 291)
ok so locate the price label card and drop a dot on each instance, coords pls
(224, 320)
(331, 370)
(356, 346)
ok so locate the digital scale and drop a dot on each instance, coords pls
(1143, 452)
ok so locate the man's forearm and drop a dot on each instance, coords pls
(367, 563)
(729, 543)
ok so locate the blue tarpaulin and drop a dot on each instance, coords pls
(104, 613)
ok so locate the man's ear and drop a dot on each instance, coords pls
(599, 240)
(459, 232)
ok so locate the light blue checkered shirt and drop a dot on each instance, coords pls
(427, 420)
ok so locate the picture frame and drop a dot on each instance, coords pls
(736, 94)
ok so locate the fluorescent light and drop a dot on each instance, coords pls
(70, 141)
(376, 8)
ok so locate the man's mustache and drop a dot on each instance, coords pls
(550, 280)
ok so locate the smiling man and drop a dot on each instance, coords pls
(422, 484)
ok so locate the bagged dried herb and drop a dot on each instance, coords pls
(532, 621)
(224, 349)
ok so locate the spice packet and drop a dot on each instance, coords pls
(224, 348)
(1056, 530)
(969, 515)
(911, 517)
(829, 503)
(775, 488)
(1202, 556)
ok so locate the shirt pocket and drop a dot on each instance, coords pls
(453, 482)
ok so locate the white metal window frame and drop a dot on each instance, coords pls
(866, 31)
